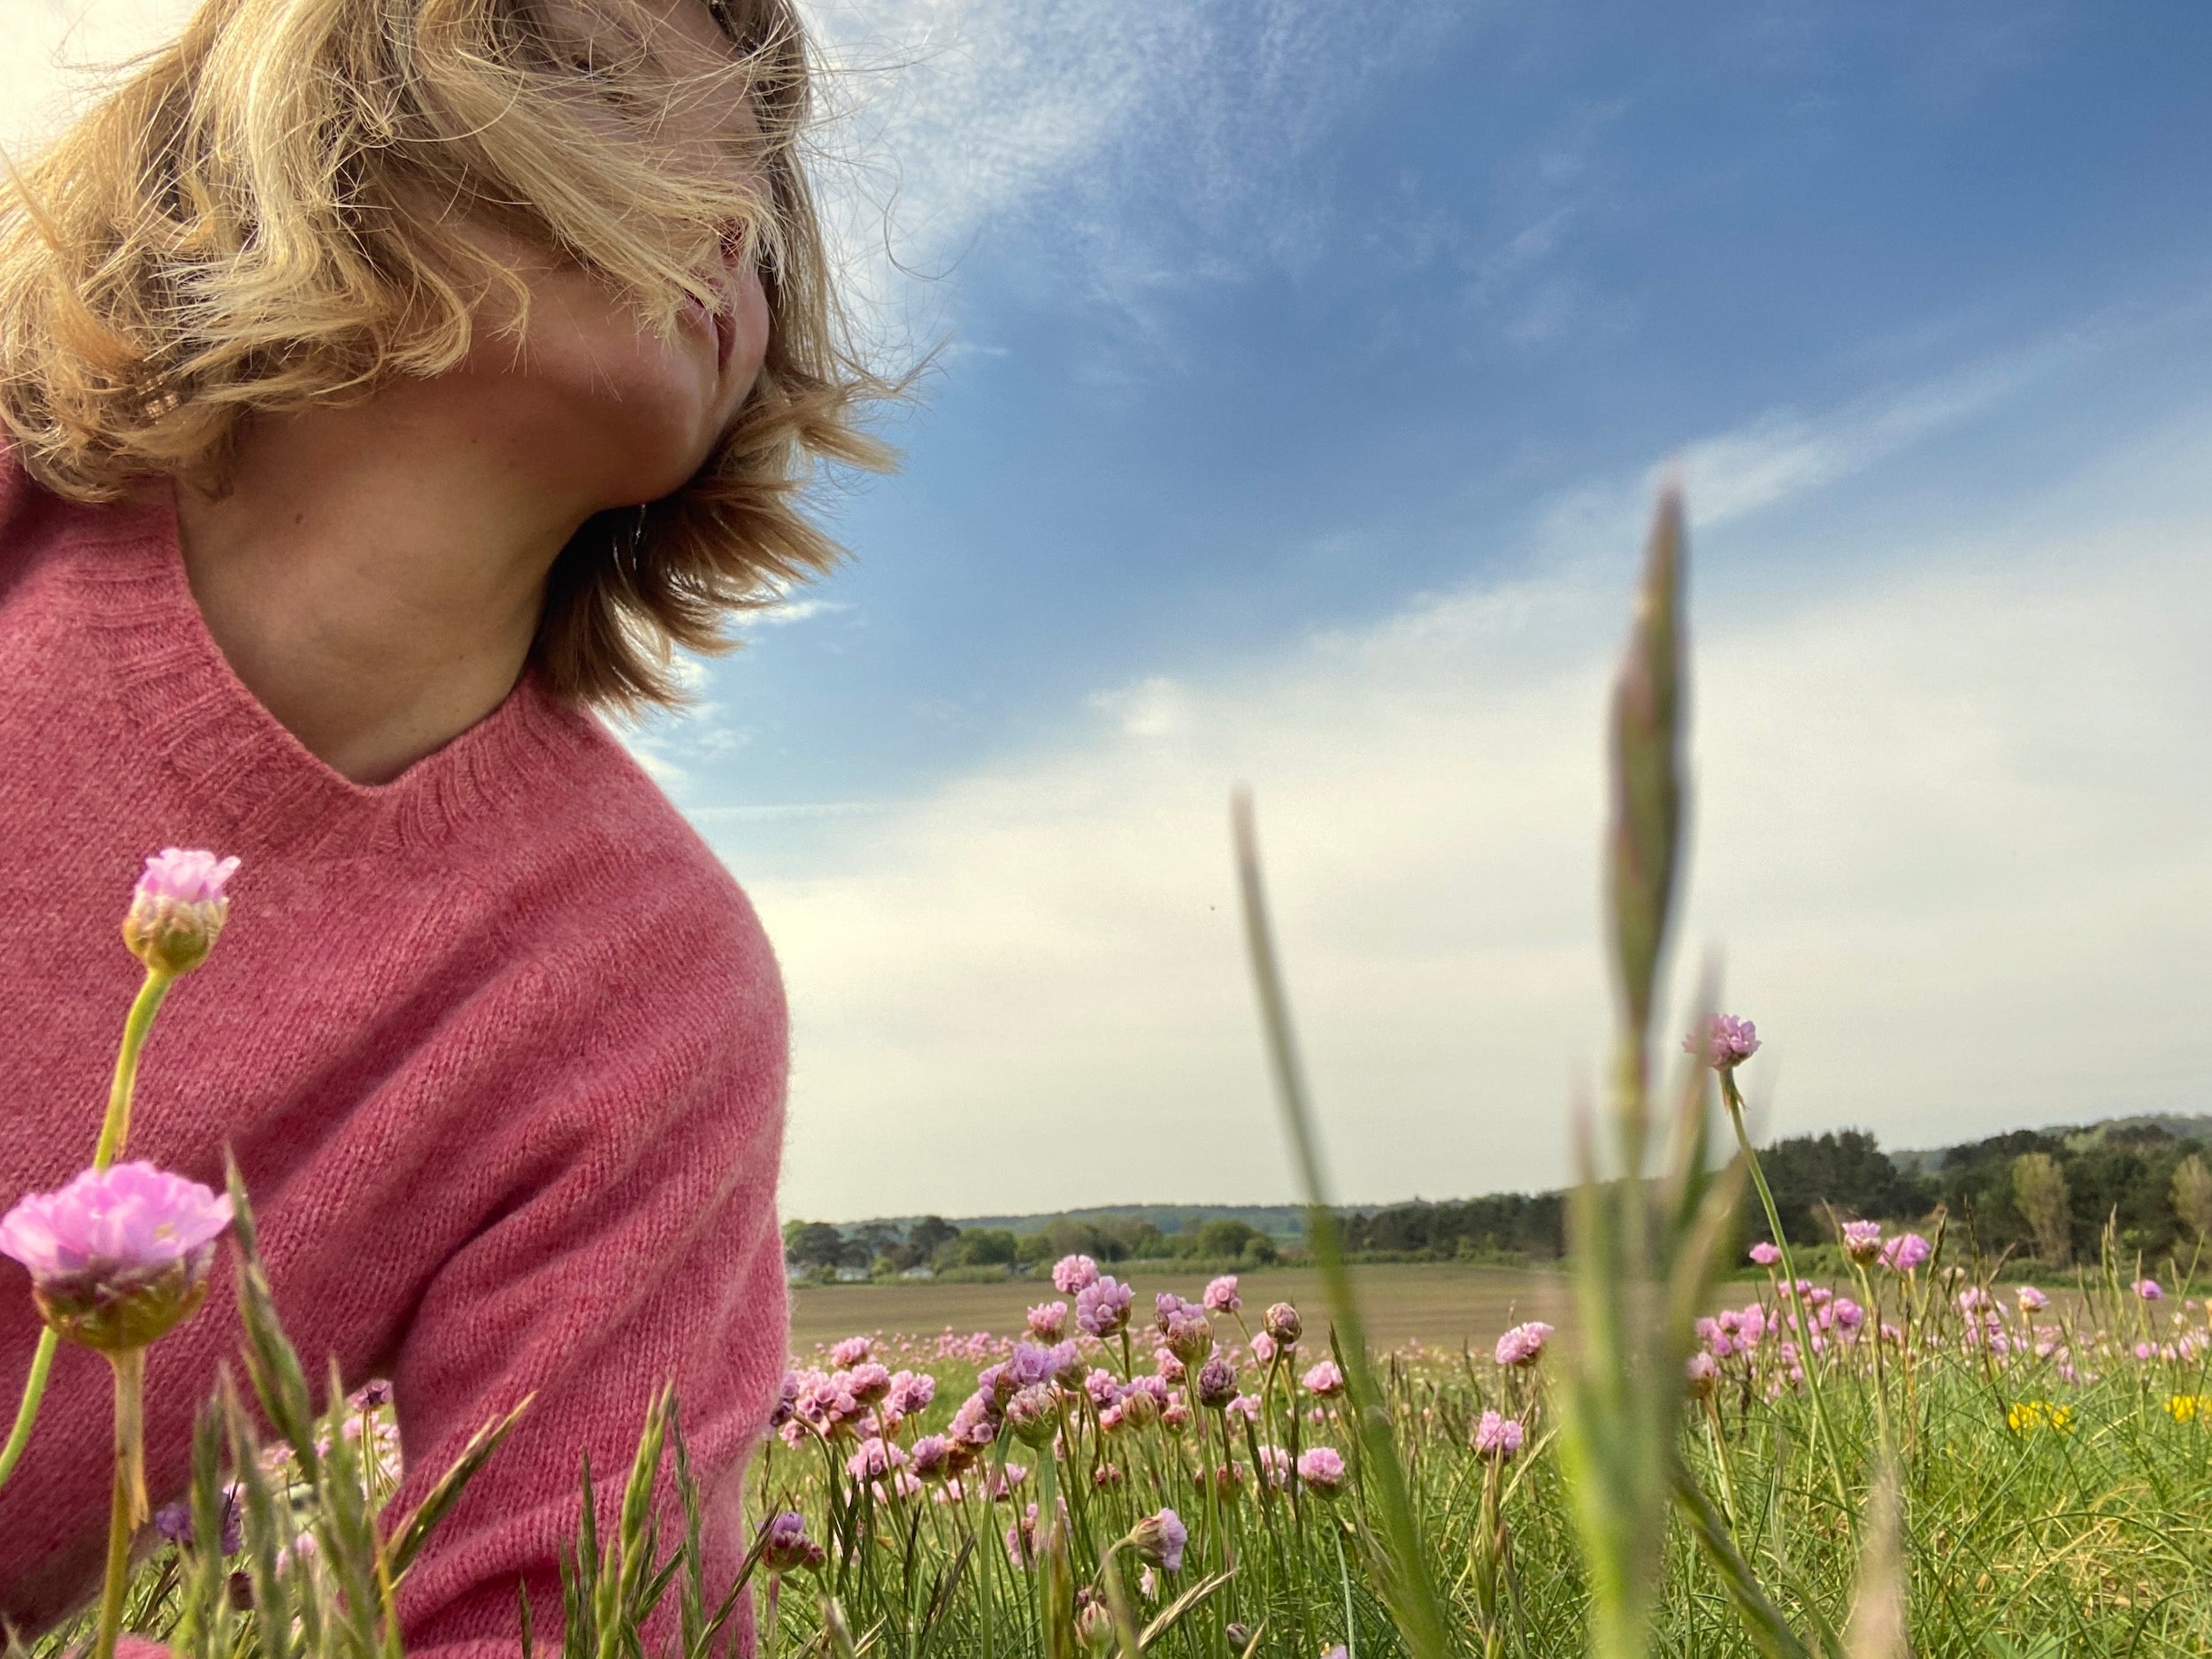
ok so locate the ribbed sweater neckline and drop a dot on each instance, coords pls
(246, 775)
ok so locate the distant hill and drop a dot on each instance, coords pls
(1929, 1160)
(1286, 1221)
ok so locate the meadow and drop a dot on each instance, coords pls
(1899, 1443)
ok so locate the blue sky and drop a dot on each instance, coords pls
(1302, 376)
(1244, 368)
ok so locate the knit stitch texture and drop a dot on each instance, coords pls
(500, 1047)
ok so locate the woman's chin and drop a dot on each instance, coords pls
(654, 457)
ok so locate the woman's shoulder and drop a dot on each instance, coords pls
(610, 857)
(31, 516)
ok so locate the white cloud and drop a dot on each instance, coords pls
(1952, 829)
(49, 49)
(789, 611)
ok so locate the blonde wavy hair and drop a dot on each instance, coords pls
(265, 215)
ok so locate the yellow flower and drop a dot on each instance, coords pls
(2027, 1414)
(2187, 1407)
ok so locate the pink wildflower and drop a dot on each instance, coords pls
(1322, 1470)
(1276, 1467)
(1158, 1540)
(868, 1383)
(1725, 1043)
(2032, 1299)
(1102, 1306)
(1326, 1379)
(1523, 1344)
(1905, 1252)
(975, 1423)
(1499, 1438)
(1067, 1364)
(1074, 1273)
(785, 1547)
(1765, 1254)
(1283, 1324)
(931, 1458)
(854, 1350)
(1264, 1349)
(1048, 1321)
(119, 1256)
(1221, 1295)
(2147, 1288)
(876, 1458)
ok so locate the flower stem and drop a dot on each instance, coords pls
(1802, 1322)
(117, 1124)
(27, 1414)
(113, 1129)
(129, 1505)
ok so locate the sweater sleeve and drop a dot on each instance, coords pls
(625, 1163)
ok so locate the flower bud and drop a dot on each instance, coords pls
(1702, 1372)
(178, 909)
(1094, 1626)
(785, 1547)
(1033, 1415)
(1863, 1241)
(1217, 1383)
(1158, 1540)
(1283, 1324)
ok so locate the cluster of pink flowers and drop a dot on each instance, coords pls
(1499, 1438)
(1733, 1331)
(859, 1395)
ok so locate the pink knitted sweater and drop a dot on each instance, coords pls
(500, 1047)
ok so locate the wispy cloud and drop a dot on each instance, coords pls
(1118, 130)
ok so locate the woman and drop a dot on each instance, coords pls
(388, 385)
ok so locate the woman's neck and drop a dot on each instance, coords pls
(374, 571)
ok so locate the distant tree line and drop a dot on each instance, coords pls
(881, 1248)
(2044, 1193)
